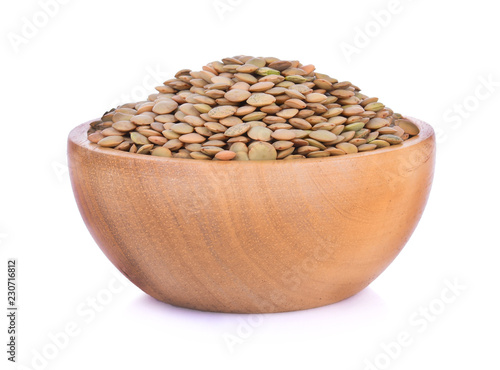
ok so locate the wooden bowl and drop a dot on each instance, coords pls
(256, 236)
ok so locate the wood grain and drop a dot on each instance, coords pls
(256, 236)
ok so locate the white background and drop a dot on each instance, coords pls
(429, 60)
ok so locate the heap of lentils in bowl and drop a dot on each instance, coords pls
(247, 108)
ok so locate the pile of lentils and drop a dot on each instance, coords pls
(247, 108)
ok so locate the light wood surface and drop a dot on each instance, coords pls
(256, 236)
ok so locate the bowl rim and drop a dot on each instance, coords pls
(78, 136)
